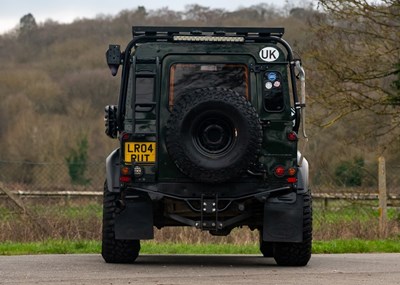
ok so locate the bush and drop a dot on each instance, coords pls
(77, 162)
(350, 173)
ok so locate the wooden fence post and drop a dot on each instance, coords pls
(382, 198)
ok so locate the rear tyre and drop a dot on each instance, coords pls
(297, 254)
(115, 250)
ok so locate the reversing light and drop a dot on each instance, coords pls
(138, 171)
(279, 171)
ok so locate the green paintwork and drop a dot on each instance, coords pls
(276, 148)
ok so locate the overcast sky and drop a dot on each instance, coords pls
(65, 11)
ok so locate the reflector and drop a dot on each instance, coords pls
(125, 179)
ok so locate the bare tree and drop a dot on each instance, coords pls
(355, 54)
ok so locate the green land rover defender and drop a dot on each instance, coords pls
(207, 122)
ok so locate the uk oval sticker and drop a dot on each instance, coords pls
(269, 54)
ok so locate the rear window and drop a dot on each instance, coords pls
(185, 77)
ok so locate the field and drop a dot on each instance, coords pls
(77, 219)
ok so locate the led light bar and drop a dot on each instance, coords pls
(208, 39)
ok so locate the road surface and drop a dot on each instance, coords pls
(200, 269)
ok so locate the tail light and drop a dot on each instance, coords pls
(125, 179)
(125, 175)
(124, 136)
(292, 171)
(292, 136)
(279, 171)
(125, 171)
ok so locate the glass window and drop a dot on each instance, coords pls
(185, 77)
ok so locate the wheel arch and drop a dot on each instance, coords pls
(112, 171)
(302, 174)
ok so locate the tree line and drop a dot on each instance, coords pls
(54, 82)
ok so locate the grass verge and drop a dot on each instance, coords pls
(151, 247)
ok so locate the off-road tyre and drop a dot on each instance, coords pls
(114, 250)
(213, 134)
(297, 254)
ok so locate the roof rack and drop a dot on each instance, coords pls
(171, 31)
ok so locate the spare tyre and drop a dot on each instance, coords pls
(213, 134)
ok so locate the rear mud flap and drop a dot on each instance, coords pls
(135, 221)
(283, 222)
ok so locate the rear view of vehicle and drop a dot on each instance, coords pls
(207, 122)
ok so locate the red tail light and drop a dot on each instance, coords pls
(279, 171)
(125, 179)
(292, 136)
(124, 136)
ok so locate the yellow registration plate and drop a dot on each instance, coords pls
(140, 152)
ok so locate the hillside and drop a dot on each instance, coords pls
(54, 84)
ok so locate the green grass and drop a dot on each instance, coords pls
(49, 247)
(151, 247)
(357, 246)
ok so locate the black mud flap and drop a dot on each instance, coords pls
(283, 220)
(135, 221)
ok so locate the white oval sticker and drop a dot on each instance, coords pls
(269, 54)
(268, 85)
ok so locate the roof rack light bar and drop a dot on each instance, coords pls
(208, 39)
(206, 31)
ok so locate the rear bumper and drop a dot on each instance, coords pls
(277, 212)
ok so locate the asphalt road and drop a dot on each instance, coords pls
(199, 269)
